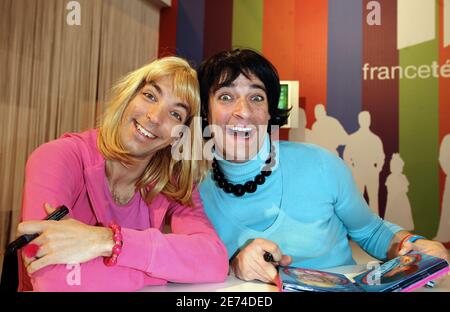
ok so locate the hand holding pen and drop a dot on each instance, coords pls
(23, 240)
(251, 264)
(68, 241)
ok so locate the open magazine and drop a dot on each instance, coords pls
(401, 274)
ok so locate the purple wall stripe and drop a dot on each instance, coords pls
(344, 61)
(190, 26)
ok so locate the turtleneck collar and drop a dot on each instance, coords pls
(242, 172)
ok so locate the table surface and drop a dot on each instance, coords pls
(233, 284)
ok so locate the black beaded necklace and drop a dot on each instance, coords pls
(249, 186)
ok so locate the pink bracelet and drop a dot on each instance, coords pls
(117, 249)
(410, 238)
(400, 245)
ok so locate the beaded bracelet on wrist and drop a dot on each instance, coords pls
(118, 243)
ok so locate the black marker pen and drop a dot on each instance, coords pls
(23, 240)
(268, 257)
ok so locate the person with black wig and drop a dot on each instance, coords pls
(297, 202)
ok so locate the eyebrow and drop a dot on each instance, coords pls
(258, 86)
(155, 85)
(184, 106)
(159, 90)
(230, 85)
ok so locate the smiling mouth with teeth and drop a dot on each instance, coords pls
(243, 132)
(144, 131)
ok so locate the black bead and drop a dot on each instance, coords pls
(218, 177)
(250, 186)
(214, 164)
(266, 171)
(268, 160)
(218, 173)
(221, 183)
(238, 190)
(228, 188)
(260, 179)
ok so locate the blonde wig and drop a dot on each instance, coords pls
(164, 174)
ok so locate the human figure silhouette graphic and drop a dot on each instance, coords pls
(398, 208)
(364, 154)
(443, 234)
(326, 131)
(300, 134)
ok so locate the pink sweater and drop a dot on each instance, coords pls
(71, 171)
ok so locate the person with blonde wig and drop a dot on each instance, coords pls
(120, 183)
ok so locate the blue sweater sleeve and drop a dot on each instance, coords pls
(367, 229)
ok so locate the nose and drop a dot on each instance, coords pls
(241, 108)
(154, 113)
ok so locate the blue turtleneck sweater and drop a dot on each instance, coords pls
(309, 206)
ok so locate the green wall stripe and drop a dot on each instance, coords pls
(247, 24)
(419, 134)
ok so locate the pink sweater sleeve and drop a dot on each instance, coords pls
(191, 253)
(91, 276)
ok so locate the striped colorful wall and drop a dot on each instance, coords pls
(324, 44)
